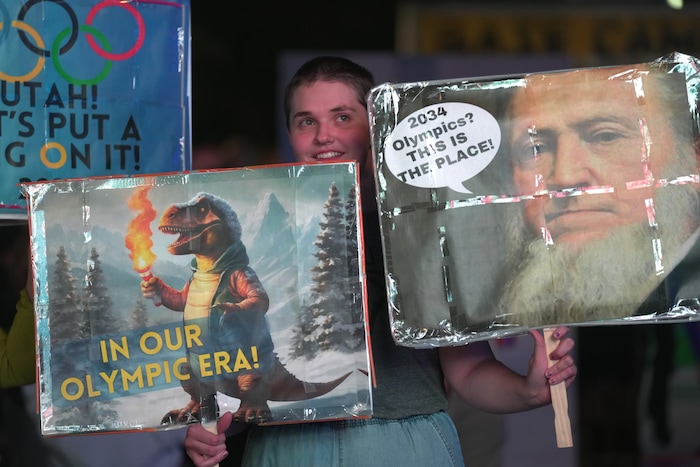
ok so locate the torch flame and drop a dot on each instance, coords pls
(138, 238)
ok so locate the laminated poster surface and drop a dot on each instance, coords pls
(91, 88)
(234, 290)
(518, 202)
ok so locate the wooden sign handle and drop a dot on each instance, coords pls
(211, 428)
(560, 404)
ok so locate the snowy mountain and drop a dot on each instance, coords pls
(280, 252)
(272, 247)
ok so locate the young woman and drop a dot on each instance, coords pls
(325, 107)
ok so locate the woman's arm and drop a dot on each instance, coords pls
(485, 383)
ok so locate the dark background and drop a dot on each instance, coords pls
(235, 47)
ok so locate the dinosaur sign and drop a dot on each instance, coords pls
(184, 295)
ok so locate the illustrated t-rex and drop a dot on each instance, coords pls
(227, 297)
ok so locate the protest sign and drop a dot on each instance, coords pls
(517, 202)
(162, 299)
(91, 88)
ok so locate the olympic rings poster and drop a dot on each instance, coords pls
(91, 88)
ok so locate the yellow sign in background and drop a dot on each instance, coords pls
(589, 37)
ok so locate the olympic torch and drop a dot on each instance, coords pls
(138, 238)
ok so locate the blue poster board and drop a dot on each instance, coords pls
(91, 88)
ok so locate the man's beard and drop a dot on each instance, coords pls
(604, 279)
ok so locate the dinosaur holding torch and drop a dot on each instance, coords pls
(225, 294)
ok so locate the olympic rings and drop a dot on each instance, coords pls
(95, 39)
(73, 25)
(59, 68)
(139, 21)
(61, 152)
(40, 60)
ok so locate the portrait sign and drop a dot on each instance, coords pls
(163, 300)
(91, 88)
(519, 202)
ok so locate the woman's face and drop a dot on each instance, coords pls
(329, 123)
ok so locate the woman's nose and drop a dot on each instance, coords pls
(324, 134)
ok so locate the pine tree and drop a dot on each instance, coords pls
(69, 328)
(323, 323)
(353, 297)
(139, 316)
(70, 335)
(351, 232)
(302, 344)
(97, 302)
(65, 314)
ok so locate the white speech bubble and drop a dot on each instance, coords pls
(443, 144)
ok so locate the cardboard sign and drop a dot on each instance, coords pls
(91, 88)
(519, 202)
(177, 296)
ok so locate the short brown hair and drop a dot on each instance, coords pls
(329, 68)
